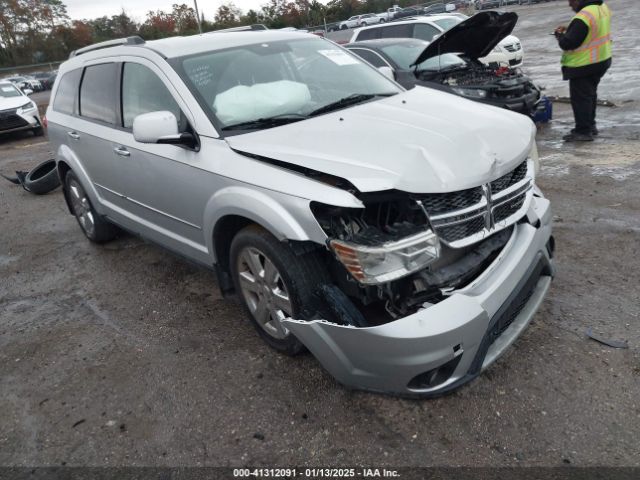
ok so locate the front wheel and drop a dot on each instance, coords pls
(274, 283)
(95, 228)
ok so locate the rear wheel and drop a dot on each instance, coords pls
(95, 227)
(274, 283)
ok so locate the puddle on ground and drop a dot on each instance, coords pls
(615, 172)
(554, 170)
(7, 259)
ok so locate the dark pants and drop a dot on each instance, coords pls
(584, 99)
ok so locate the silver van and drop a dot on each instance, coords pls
(397, 235)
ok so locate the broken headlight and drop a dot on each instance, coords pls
(388, 261)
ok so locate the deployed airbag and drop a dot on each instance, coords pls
(262, 100)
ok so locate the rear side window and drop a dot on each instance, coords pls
(98, 93)
(144, 92)
(398, 31)
(67, 93)
(370, 34)
(424, 31)
(371, 57)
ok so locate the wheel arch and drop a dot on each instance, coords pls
(63, 169)
(232, 209)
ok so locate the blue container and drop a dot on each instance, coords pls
(544, 111)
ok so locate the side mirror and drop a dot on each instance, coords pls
(162, 127)
(387, 72)
(151, 127)
(27, 91)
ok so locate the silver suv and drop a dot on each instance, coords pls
(397, 235)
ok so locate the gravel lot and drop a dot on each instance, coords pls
(126, 355)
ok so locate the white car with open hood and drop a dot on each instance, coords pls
(397, 235)
(480, 29)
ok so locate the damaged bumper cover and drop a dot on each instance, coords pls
(445, 345)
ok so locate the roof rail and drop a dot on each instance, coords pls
(243, 28)
(134, 40)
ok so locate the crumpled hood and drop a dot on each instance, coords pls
(420, 141)
(475, 37)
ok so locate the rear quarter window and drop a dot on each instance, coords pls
(98, 93)
(67, 93)
(424, 31)
(398, 31)
(369, 34)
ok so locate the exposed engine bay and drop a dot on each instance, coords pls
(389, 217)
(499, 82)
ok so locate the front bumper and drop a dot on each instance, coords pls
(11, 121)
(525, 104)
(451, 342)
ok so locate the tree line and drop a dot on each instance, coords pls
(37, 31)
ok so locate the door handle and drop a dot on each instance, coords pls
(122, 151)
(73, 135)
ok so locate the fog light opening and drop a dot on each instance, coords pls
(436, 376)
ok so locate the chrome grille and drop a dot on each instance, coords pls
(513, 47)
(462, 230)
(437, 203)
(509, 179)
(477, 212)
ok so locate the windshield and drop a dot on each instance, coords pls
(288, 80)
(447, 23)
(8, 91)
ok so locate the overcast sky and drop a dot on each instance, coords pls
(138, 9)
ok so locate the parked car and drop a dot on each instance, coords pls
(407, 264)
(508, 52)
(390, 14)
(408, 12)
(34, 83)
(24, 83)
(359, 21)
(435, 8)
(17, 111)
(46, 79)
(460, 74)
(486, 4)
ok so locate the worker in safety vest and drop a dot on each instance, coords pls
(586, 58)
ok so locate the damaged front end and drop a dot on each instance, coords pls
(502, 87)
(428, 289)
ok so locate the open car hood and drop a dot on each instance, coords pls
(475, 37)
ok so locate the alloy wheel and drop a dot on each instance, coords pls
(264, 291)
(81, 207)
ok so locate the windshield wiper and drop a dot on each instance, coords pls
(347, 101)
(267, 122)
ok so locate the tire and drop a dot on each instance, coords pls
(382, 20)
(42, 179)
(38, 131)
(95, 227)
(296, 278)
(343, 27)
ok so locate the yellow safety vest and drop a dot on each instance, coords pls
(597, 46)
